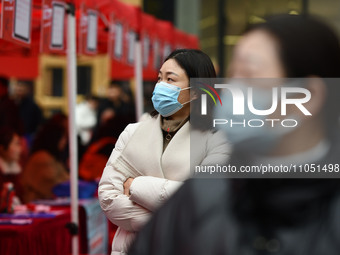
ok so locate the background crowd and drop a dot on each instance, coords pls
(34, 152)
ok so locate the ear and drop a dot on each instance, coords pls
(318, 90)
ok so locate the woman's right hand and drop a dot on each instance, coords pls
(127, 185)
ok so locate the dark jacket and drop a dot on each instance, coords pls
(9, 115)
(30, 114)
(248, 216)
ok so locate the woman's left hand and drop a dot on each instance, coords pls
(127, 185)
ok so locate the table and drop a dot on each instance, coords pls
(49, 236)
(93, 227)
(44, 236)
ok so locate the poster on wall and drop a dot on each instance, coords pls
(22, 20)
(57, 33)
(148, 37)
(146, 50)
(131, 46)
(118, 47)
(166, 51)
(92, 31)
(53, 27)
(16, 21)
(88, 31)
(157, 57)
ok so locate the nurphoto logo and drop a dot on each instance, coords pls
(242, 101)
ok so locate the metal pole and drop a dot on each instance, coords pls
(71, 94)
(139, 79)
(305, 7)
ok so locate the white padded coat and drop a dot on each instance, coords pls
(138, 153)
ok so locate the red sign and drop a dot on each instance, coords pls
(150, 47)
(53, 29)
(124, 28)
(193, 41)
(88, 31)
(165, 30)
(16, 21)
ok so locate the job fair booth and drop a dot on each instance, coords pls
(55, 40)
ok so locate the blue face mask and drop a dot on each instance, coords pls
(165, 99)
(246, 138)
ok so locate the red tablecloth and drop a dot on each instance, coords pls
(46, 236)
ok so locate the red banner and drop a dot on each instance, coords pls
(88, 30)
(193, 41)
(124, 29)
(16, 21)
(181, 39)
(53, 27)
(166, 35)
(105, 26)
(149, 55)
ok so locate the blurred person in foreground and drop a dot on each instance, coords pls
(47, 164)
(151, 158)
(266, 216)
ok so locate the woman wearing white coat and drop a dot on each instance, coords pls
(152, 158)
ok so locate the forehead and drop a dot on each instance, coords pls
(172, 66)
(257, 43)
(114, 87)
(257, 55)
(15, 138)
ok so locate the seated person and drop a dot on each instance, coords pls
(46, 165)
(269, 214)
(10, 151)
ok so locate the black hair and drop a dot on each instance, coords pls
(196, 64)
(26, 82)
(112, 127)
(50, 134)
(116, 83)
(92, 97)
(4, 81)
(6, 136)
(308, 47)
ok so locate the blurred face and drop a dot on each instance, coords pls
(257, 60)
(256, 56)
(173, 74)
(93, 104)
(13, 151)
(20, 90)
(62, 142)
(114, 93)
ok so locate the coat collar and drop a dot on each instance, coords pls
(143, 154)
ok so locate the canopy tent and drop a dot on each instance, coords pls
(117, 25)
(19, 59)
(166, 35)
(124, 26)
(148, 36)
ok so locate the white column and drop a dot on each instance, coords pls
(139, 98)
(71, 95)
